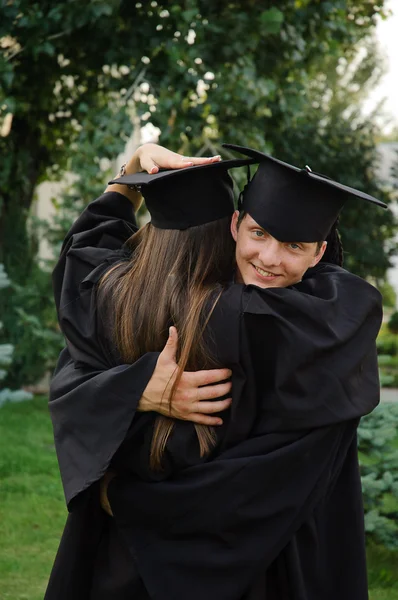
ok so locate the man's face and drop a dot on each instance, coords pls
(264, 261)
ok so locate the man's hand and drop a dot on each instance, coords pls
(189, 401)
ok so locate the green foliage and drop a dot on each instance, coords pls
(387, 343)
(30, 325)
(393, 323)
(382, 571)
(6, 350)
(341, 142)
(212, 70)
(388, 293)
(387, 349)
(6, 354)
(378, 455)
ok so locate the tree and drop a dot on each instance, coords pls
(53, 77)
(330, 133)
(73, 75)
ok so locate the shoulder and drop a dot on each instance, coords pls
(327, 294)
(331, 279)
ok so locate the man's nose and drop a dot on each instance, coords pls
(270, 253)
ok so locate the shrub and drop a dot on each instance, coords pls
(6, 353)
(387, 342)
(378, 456)
(393, 323)
(30, 326)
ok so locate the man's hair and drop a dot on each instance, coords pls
(334, 249)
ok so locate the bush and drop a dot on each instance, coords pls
(388, 293)
(6, 354)
(387, 342)
(30, 326)
(393, 323)
(378, 457)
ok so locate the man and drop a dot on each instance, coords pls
(266, 548)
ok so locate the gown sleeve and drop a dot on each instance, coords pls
(93, 396)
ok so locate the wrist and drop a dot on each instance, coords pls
(145, 404)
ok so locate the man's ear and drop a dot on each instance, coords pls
(234, 225)
(321, 252)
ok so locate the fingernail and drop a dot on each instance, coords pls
(154, 170)
(217, 156)
(219, 422)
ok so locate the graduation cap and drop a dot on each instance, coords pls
(182, 198)
(292, 204)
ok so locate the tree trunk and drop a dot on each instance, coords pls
(24, 164)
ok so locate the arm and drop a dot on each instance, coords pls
(107, 223)
(92, 408)
(94, 398)
(92, 245)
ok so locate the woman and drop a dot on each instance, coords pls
(163, 526)
(186, 271)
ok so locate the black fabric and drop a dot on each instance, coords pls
(281, 458)
(91, 393)
(182, 198)
(233, 516)
(292, 204)
(248, 521)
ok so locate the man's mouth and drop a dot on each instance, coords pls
(264, 273)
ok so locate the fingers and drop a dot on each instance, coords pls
(189, 161)
(202, 160)
(157, 157)
(209, 408)
(213, 391)
(169, 352)
(149, 165)
(206, 377)
(200, 419)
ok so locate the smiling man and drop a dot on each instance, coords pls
(263, 260)
(285, 216)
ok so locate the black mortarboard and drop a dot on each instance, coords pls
(292, 204)
(182, 198)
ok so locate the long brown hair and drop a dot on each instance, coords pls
(173, 278)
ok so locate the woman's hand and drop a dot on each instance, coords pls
(189, 401)
(151, 158)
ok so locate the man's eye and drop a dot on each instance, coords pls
(258, 233)
(294, 246)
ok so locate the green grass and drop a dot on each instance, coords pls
(382, 573)
(32, 510)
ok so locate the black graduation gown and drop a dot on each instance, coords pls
(283, 483)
